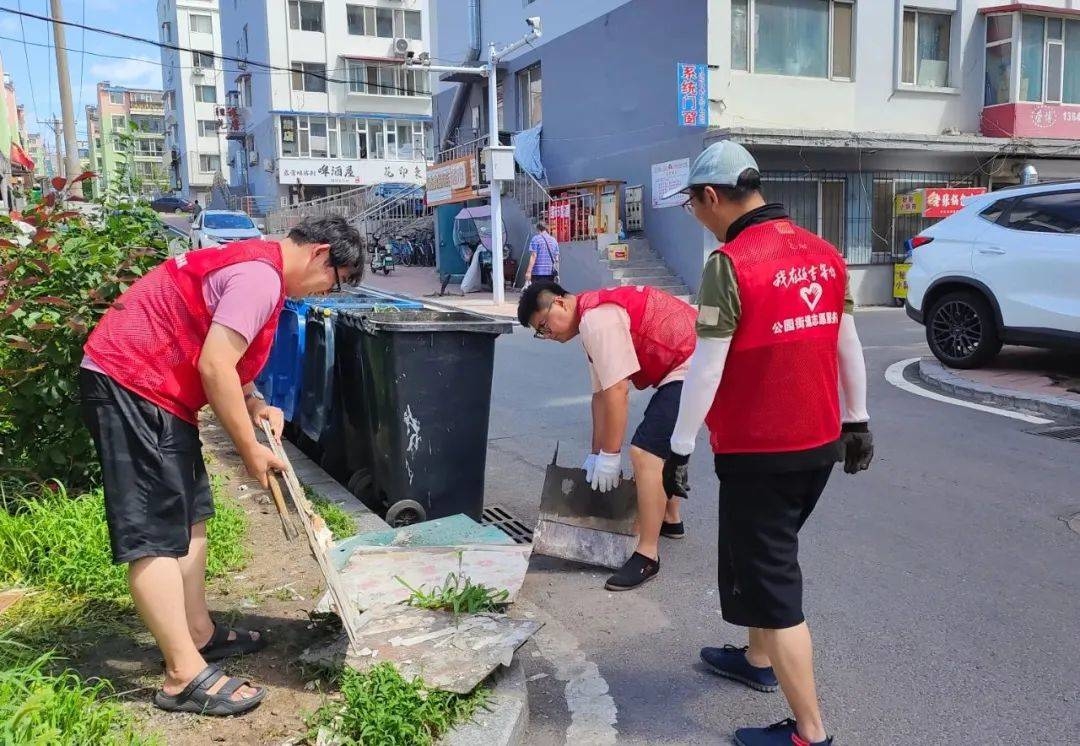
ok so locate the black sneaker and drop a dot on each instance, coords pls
(672, 530)
(636, 571)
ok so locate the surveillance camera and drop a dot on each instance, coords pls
(533, 23)
(424, 58)
(410, 54)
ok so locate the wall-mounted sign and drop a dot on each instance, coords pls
(452, 181)
(934, 202)
(330, 171)
(667, 176)
(692, 93)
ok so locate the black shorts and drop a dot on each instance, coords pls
(156, 486)
(758, 549)
(653, 435)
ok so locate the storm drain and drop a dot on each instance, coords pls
(1071, 433)
(508, 524)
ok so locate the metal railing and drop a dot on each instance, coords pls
(531, 196)
(346, 204)
(460, 151)
(393, 214)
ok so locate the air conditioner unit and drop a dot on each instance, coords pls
(269, 165)
(220, 111)
(253, 158)
(401, 47)
(242, 64)
(197, 72)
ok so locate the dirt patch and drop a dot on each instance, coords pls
(280, 584)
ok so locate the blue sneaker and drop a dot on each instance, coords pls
(730, 662)
(777, 734)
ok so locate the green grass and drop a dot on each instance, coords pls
(58, 709)
(53, 541)
(340, 523)
(65, 624)
(459, 595)
(380, 707)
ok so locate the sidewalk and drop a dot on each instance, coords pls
(423, 283)
(1042, 381)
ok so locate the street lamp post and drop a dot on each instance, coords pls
(498, 290)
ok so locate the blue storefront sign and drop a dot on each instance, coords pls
(692, 93)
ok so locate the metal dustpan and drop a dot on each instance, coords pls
(578, 523)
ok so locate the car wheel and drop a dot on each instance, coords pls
(178, 211)
(961, 330)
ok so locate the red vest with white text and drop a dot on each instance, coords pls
(661, 326)
(779, 392)
(150, 340)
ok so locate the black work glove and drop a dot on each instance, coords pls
(858, 443)
(677, 475)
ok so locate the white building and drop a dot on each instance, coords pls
(194, 86)
(338, 109)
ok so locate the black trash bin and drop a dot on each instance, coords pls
(426, 397)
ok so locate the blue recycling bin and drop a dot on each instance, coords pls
(279, 380)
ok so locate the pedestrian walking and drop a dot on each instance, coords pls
(543, 256)
(776, 347)
(631, 335)
(194, 330)
(196, 210)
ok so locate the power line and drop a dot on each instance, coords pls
(26, 55)
(48, 38)
(82, 68)
(177, 48)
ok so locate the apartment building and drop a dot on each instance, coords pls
(845, 103)
(194, 96)
(338, 110)
(127, 127)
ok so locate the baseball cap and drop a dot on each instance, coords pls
(721, 164)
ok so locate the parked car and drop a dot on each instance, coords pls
(172, 204)
(1005, 269)
(215, 227)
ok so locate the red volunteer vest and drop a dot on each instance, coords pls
(150, 340)
(662, 327)
(779, 393)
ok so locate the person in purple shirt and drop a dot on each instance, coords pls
(543, 256)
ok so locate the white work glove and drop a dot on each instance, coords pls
(607, 471)
(588, 466)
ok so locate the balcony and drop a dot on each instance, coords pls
(147, 107)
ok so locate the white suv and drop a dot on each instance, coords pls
(1005, 269)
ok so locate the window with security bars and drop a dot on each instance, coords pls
(854, 210)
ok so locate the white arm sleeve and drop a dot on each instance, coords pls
(698, 391)
(852, 373)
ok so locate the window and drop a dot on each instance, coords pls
(925, 49)
(209, 164)
(166, 31)
(203, 59)
(201, 24)
(169, 100)
(385, 80)
(1071, 80)
(386, 23)
(118, 122)
(1046, 213)
(154, 148)
(208, 128)
(530, 96)
(206, 94)
(153, 125)
(1049, 54)
(808, 38)
(349, 138)
(412, 24)
(305, 15)
(816, 204)
(116, 97)
(998, 60)
(244, 89)
(309, 76)
(993, 212)
(288, 136)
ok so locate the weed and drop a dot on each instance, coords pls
(39, 707)
(381, 707)
(340, 523)
(459, 595)
(65, 624)
(53, 541)
(225, 533)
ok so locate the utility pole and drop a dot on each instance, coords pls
(54, 125)
(498, 284)
(67, 110)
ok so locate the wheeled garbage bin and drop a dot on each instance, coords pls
(426, 397)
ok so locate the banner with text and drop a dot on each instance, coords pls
(452, 181)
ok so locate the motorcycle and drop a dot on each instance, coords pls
(382, 259)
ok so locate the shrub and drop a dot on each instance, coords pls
(59, 271)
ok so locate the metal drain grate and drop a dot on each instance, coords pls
(1071, 433)
(512, 527)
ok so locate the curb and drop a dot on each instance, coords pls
(937, 376)
(507, 718)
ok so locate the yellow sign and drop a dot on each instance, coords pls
(618, 252)
(899, 282)
(910, 204)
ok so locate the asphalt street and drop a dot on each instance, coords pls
(942, 586)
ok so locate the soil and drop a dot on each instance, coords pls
(274, 593)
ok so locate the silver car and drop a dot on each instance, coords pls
(215, 227)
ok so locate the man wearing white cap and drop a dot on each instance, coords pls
(779, 379)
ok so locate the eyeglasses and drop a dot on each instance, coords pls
(542, 331)
(688, 205)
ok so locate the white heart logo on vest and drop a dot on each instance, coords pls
(811, 294)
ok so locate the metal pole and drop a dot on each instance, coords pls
(55, 125)
(67, 110)
(497, 283)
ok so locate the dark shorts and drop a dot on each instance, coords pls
(156, 487)
(653, 435)
(758, 549)
(545, 278)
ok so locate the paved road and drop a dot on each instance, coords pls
(943, 588)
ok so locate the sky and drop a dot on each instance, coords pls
(39, 92)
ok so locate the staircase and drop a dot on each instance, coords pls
(645, 267)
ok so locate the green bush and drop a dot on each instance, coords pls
(52, 541)
(341, 524)
(381, 707)
(40, 707)
(59, 271)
